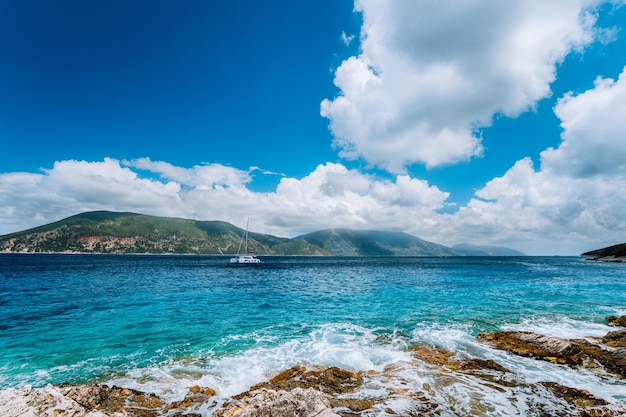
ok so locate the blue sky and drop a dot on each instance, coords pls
(483, 122)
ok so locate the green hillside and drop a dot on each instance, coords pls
(615, 251)
(343, 242)
(110, 232)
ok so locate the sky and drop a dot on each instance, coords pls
(483, 121)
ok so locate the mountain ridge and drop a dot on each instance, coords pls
(127, 232)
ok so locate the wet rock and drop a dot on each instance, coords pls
(355, 405)
(270, 403)
(482, 364)
(562, 351)
(615, 339)
(613, 360)
(613, 410)
(331, 380)
(549, 348)
(196, 396)
(616, 321)
(436, 356)
(577, 397)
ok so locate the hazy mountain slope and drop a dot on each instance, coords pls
(475, 250)
(344, 242)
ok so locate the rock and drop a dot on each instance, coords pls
(562, 351)
(613, 410)
(549, 348)
(331, 380)
(481, 364)
(114, 399)
(613, 360)
(356, 405)
(616, 321)
(50, 401)
(577, 397)
(436, 356)
(195, 397)
(270, 403)
(78, 401)
(615, 339)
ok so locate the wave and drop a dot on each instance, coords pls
(392, 372)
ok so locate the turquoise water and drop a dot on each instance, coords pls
(163, 323)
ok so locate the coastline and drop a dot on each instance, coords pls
(613, 259)
(324, 391)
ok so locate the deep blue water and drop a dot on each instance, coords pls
(135, 318)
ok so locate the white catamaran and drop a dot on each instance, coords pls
(245, 258)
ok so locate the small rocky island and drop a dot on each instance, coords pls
(333, 392)
(615, 253)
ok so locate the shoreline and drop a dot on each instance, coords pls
(331, 391)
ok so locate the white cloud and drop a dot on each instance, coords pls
(208, 175)
(347, 40)
(593, 136)
(431, 72)
(331, 196)
(575, 201)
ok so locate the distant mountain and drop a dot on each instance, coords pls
(111, 232)
(344, 242)
(474, 250)
(615, 253)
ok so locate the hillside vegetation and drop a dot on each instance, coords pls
(112, 232)
(616, 253)
(344, 242)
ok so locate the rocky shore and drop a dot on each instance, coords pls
(332, 392)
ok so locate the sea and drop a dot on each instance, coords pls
(162, 324)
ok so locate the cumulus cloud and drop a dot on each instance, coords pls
(330, 196)
(593, 131)
(430, 73)
(208, 175)
(576, 197)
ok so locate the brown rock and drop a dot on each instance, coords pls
(436, 356)
(196, 396)
(616, 321)
(612, 360)
(615, 339)
(114, 399)
(577, 397)
(480, 364)
(331, 380)
(270, 403)
(549, 348)
(613, 410)
(354, 404)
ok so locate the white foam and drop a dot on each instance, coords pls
(397, 375)
(561, 326)
(344, 345)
